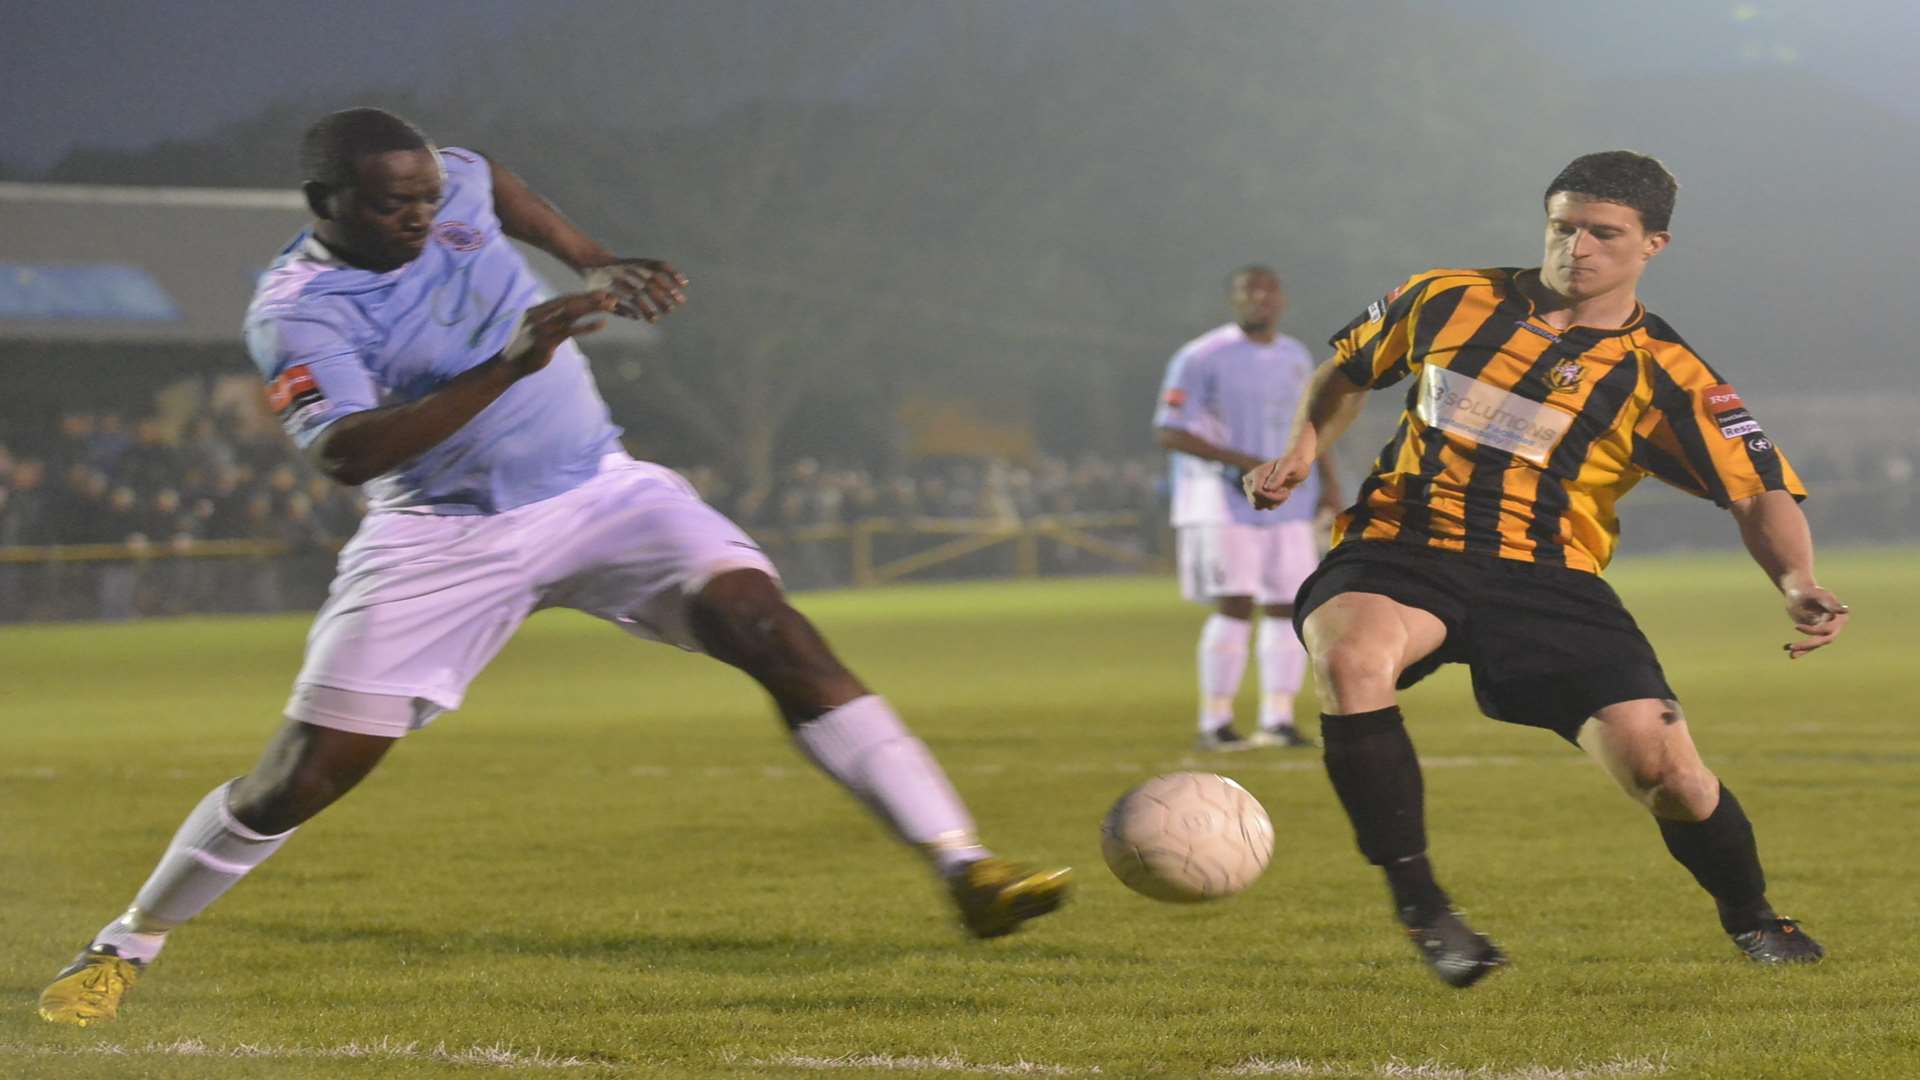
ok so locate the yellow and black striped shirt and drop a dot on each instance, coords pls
(1518, 439)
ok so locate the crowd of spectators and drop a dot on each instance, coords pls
(155, 487)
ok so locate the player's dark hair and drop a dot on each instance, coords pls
(1248, 271)
(334, 145)
(1624, 177)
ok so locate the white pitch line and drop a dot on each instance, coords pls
(501, 1056)
(942, 1063)
(497, 1056)
(1617, 1069)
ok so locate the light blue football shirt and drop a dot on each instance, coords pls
(1235, 393)
(333, 339)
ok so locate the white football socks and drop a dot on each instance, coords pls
(865, 747)
(1223, 662)
(1283, 667)
(208, 855)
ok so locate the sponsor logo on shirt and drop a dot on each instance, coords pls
(1759, 444)
(1377, 310)
(1464, 406)
(1729, 414)
(294, 388)
(295, 397)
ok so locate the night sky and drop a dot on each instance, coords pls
(123, 75)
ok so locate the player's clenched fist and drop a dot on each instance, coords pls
(544, 326)
(1271, 484)
(647, 288)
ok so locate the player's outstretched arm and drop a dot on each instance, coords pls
(363, 445)
(1186, 442)
(1776, 534)
(647, 288)
(1327, 409)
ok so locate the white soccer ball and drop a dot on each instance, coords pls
(1186, 837)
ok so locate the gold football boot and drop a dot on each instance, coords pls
(995, 896)
(90, 988)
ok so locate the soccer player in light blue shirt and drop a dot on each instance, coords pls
(334, 339)
(1229, 397)
(408, 348)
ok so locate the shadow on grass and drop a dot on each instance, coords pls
(770, 953)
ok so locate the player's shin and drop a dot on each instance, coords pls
(1223, 663)
(1721, 855)
(1374, 770)
(865, 747)
(210, 852)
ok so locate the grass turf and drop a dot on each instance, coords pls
(612, 863)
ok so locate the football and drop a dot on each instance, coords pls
(1186, 837)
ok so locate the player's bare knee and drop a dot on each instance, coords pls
(1685, 795)
(1670, 790)
(744, 619)
(1235, 607)
(736, 615)
(305, 770)
(1349, 666)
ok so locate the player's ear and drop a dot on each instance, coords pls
(1656, 242)
(319, 199)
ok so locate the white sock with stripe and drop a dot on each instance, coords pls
(208, 855)
(865, 747)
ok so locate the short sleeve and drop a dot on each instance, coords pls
(1375, 350)
(1183, 394)
(313, 369)
(1698, 435)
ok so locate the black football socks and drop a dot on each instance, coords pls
(1721, 855)
(1374, 770)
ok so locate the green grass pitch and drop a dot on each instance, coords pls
(613, 863)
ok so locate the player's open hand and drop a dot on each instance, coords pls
(1816, 613)
(647, 288)
(544, 326)
(1271, 484)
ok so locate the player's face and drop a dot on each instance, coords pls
(1595, 248)
(1258, 301)
(385, 219)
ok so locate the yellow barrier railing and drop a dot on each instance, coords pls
(172, 549)
(966, 536)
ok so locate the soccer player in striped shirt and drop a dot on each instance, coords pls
(1535, 399)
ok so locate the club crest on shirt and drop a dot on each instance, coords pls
(1175, 398)
(459, 235)
(1565, 376)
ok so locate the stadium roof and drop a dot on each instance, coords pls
(101, 264)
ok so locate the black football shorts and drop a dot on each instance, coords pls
(1547, 646)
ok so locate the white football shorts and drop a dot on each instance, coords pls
(422, 602)
(1266, 562)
